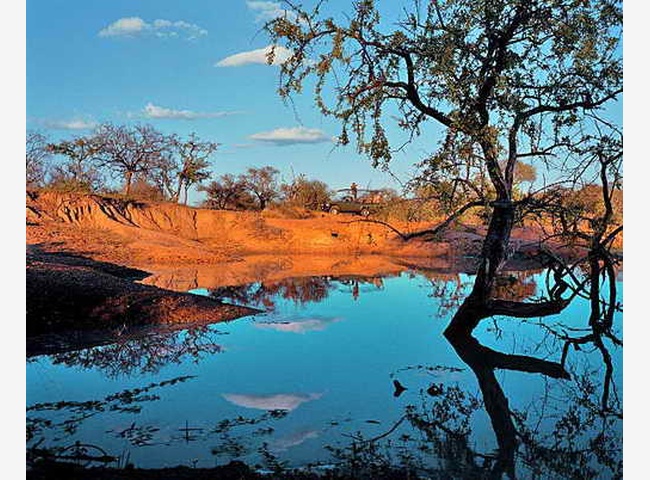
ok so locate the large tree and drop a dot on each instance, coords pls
(129, 151)
(36, 154)
(500, 81)
(262, 182)
(188, 165)
(79, 171)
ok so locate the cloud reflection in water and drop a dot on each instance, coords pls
(280, 401)
(298, 325)
(285, 443)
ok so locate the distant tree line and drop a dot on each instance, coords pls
(144, 161)
(147, 164)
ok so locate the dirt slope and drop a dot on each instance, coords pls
(137, 233)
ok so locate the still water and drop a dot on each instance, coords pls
(332, 362)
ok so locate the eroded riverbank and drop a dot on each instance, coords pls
(98, 267)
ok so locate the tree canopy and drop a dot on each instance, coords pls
(129, 151)
(36, 155)
(191, 165)
(503, 80)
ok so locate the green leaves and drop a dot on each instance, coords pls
(457, 63)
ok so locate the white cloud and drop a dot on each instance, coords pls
(266, 11)
(74, 124)
(162, 23)
(259, 56)
(190, 29)
(135, 26)
(157, 112)
(281, 401)
(292, 136)
(127, 26)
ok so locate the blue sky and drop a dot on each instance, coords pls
(192, 66)
(183, 67)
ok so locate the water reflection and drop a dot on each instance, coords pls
(300, 325)
(585, 441)
(149, 350)
(483, 361)
(144, 353)
(299, 290)
(281, 401)
(571, 429)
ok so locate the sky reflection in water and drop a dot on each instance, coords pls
(325, 355)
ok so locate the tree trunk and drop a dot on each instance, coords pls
(493, 255)
(177, 193)
(127, 180)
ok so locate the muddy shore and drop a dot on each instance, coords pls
(75, 302)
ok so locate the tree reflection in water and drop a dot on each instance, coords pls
(300, 290)
(578, 436)
(149, 351)
(572, 430)
(144, 353)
